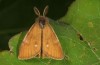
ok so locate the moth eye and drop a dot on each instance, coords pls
(35, 45)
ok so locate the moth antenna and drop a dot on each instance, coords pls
(45, 10)
(37, 12)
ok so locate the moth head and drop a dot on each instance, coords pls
(41, 18)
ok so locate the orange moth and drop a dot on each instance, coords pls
(40, 40)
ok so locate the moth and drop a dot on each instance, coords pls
(40, 40)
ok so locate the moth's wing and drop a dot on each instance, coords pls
(30, 46)
(51, 44)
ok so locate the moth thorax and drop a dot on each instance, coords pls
(42, 22)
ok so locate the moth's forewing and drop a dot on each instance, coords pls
(31, 45)
(41, 40)
(51, 44)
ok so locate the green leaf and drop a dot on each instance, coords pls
(84, 17)
(76, 52)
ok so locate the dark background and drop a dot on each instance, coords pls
(18, 15)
